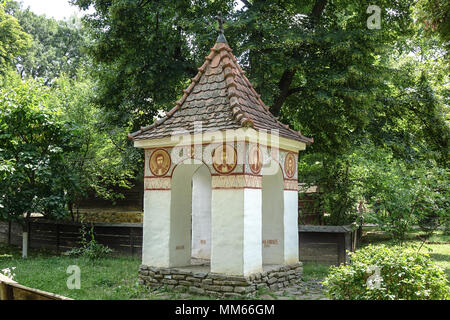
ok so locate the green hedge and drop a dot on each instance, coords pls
(382, 273)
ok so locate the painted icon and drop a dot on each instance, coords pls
(224, 159)
(159, 162)
(255, 159)
(289, 165)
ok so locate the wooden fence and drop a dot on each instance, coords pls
(11, 290)
(123, 238)
(326, 244)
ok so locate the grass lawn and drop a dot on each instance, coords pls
(107, 279)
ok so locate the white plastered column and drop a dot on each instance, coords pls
(167, 220)
(290, 226)
(156, 228)
(236, 231)
(273, 228)
(201, 213)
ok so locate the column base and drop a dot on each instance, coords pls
(195, 280)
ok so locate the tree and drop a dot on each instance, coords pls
(33, 144)
(400, 194)
(144, 52)
(13, 40)
(435, 16)
(99, 164)
(58, 46)
(316, 64)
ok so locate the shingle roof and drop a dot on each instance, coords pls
(221, 97)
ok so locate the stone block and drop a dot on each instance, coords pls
(272, 280)
(211, 288)
(231, 295)
(181, 288)
(226, 288)
(185, 283)
(274, 287)
(169, 281)
(165, 271)
(262, 285)
(218, 276)
(193, 279)
(240, 289)
(196, 290)
(200, 275)
(236, 283)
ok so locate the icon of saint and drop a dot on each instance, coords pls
(224, 159)
(159, 162)
(289, 165)
(255, 159)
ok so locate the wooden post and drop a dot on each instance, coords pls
(6, 290)
(132, 241)
(57, 238)
(29, 234)
(9, 233)
(340, 239)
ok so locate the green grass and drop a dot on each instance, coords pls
(109, 278)
(112, 278)
(314, 270)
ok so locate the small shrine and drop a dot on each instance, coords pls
(221, 189)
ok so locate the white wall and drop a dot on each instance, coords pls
(290, 226)
(227, 231)
(201, 213)
(236, 231)
(180, 216)
(252, 231)
(156, 228)
(273, 226)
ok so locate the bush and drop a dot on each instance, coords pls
(382, 273)
(89, 249)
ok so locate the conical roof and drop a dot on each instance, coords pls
(221, 97)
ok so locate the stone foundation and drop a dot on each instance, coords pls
(220, 285)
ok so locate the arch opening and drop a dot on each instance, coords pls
(190, 230)
(272, 216)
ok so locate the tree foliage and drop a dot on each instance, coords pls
(316, 63)
(58, 46)
(13, 40)
(33, 144)
(100, 163)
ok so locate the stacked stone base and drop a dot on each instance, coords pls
(220, 285)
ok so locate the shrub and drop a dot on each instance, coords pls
(382, 273)
(90, 248)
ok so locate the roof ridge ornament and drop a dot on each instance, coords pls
(221, 20)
